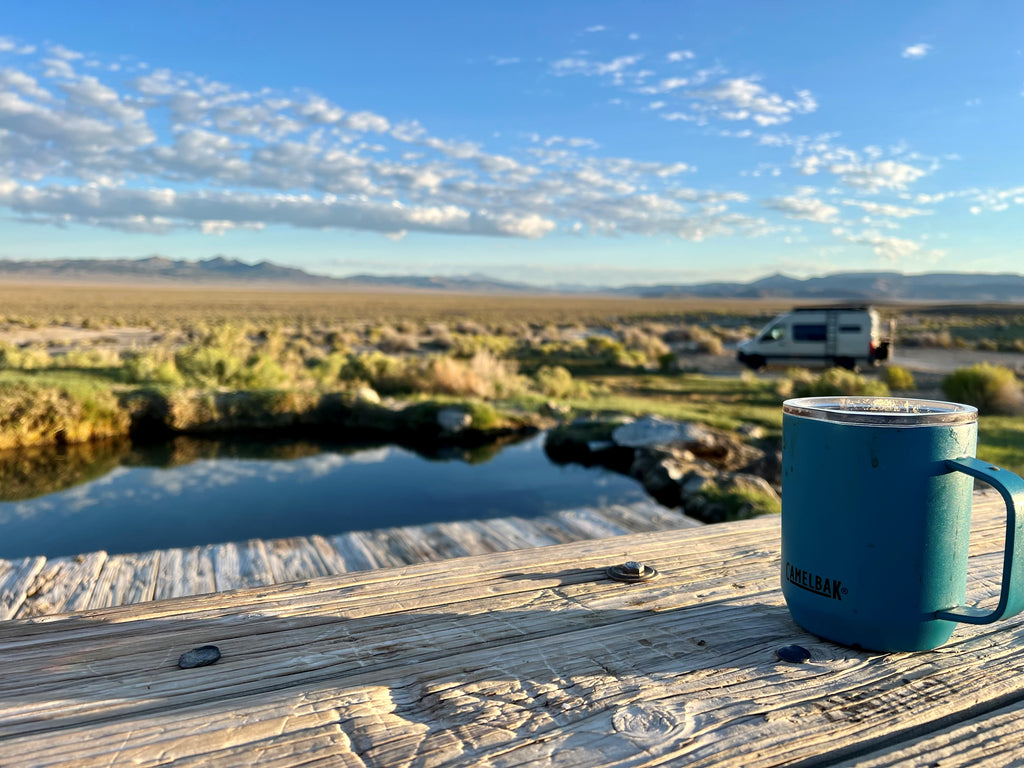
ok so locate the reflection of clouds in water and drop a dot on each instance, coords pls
(111, 477)
(80, 498)
(199, 475)
(324, 464)
(220, 473)
(116, 487)
(24, 510)
(371, 455)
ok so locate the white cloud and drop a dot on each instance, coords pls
(673, 169)
(744, 98)
(917, 51)
(58, 68)
(616, 69)
(872, 177)
(530, 226)
(995, 200)
(596, 28)
(366, 122)
(680, 56)
(220, 226)
(671, 83)
(497, 163)
(891, 249)
(319, 110)
(803, 207)
(65, 53)
(7, 45)
(681, 116)
(462, 150)
(809, 165)
(165, 151)
(891, 211)
(27, 85)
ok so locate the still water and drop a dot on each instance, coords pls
(192, 492)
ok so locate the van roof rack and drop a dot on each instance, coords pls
(834, 308)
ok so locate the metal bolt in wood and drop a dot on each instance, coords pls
(631, 572)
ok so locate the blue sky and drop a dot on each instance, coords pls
(546, 142)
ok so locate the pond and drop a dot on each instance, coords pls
(124, 498)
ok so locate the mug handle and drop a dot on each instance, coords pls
(1011, 592)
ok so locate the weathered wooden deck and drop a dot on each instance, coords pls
(532, 657)
(35, 586)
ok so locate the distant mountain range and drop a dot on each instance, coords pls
(159, 267)
(847, 286)
(220, 269)
(856, 286)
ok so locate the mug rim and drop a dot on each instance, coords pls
(881, 411)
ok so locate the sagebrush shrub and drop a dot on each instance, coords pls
(898, 378)
(649, 344)
(835, 381)
(989, 388)
(556, 381)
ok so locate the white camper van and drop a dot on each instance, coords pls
(820, 336)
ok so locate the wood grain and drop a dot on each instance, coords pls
(63, 584)
(16, 578)
(531, 657)
(180, 572)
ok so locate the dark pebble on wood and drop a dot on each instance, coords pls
(795, 654)
(202, 656)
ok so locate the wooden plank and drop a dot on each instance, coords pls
(589, 524)
(294, 559)
(184, 572)
(520, 533)
(442, 543)
(992, 739)
(329, 556)
(241, 564)
(353, 552)
(422, 544)
(544, 662)
(378, 548)
(16, 578)
(471, 536)
(125, 579)
(557, 529)
(164, 574)
(647, 516)
(416, 586)
(63, 584)
(192, 571)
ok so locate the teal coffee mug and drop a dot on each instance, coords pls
(876, 515)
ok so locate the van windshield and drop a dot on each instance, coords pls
(774, 333)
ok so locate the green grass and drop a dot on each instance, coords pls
(80, 383)
(1001, 441)
(724, 402)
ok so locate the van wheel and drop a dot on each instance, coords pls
(847, 362)
(755, 362)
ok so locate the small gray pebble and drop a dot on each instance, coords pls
(795, 654)
(202, 656)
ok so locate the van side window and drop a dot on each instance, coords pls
(809, 332)
(774, 333)
(849, 329)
